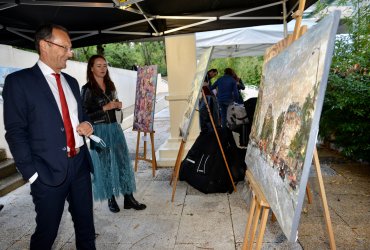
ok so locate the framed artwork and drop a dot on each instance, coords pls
(145, 98)
(286, 121)
(193, 98)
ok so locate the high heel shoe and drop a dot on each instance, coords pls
(130, 202)
(112, 204)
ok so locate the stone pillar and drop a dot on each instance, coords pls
(181, 68)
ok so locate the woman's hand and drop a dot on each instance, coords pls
(112, 105)
(119, 104)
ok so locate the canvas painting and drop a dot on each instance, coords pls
(192, 100)
(286, 121)
(145, 98)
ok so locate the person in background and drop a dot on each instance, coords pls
(45, 128)
(134, 67)
(113, 174)
(204, 119)
(240, 86)
(207, 81)
(227, 92)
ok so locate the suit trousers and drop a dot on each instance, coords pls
(49, 205)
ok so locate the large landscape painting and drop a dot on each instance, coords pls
(193, 97)
(285, 125)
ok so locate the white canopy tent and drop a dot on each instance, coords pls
(250, 41)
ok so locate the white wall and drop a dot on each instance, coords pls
(125, 80)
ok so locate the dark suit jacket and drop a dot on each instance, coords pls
(34, 126)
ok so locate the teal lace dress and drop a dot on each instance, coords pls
(113, 172)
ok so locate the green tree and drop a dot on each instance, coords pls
(345, 119)
(83, 54)
(125, 55)
(249, 69)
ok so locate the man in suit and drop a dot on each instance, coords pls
(45, 125)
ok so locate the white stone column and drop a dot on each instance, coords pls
(181, 68)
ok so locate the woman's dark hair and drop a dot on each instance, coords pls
(229, 71)
(45, 32)
(91, 79)
(212, 70)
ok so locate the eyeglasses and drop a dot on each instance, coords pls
(66, 49)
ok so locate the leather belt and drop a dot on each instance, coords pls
(70, 155)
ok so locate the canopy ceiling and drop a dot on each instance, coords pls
(103, 21)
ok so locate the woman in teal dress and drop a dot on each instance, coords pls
(113, 173)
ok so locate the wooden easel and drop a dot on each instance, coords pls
(175, 174)
(259, 199)
(137, 157)
(259, 203)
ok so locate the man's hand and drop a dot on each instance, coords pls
(85, 129)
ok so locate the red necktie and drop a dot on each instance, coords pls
(66, 119)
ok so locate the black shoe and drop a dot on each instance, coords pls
(130, 202)
(112, 204)
(1, 207)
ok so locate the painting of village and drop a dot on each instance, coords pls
(286, 120)
(192, 99)
(145, 98)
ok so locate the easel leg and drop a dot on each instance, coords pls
(154, 160)
(176, 164)
(324, 200)
(273, 217)
(308, 193)
(218, 140)
(255, 224)
(137, 149)
(249, 222)
(144, 145)
(265, 213)
(259, 203)
(175, 174)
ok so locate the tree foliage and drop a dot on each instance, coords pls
(125, 55)
(249, 69)
(345, 119)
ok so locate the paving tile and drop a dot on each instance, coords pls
(199, 246)
(239, 218)
(146, 230)
(105, 246)
(279, 246)
(351, 208)
(157, 197)
(313, 242)
(212, 230)
(140, 246)
(363, 231)
(207, 204)
(22, 244)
